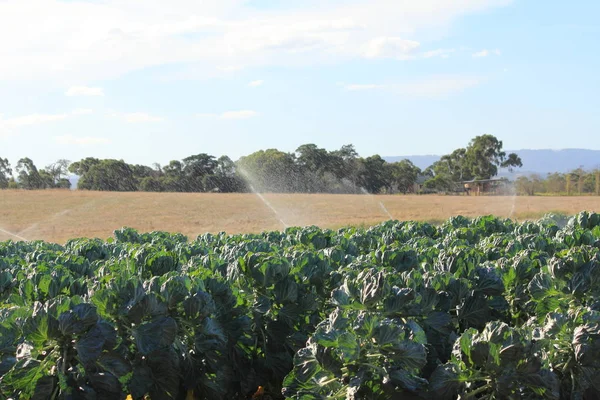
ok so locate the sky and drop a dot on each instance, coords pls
(152, 80)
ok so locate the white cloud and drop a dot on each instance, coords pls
(82, 111)
(432, 87)
(115, 37)
(9, 126)
(241, 114)
(256, 83)
(390, 47)
(138, 117)
(84, 91)
(485, 53)
(81, 141)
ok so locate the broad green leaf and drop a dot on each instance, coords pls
(155, 335)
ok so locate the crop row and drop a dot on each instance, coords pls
(482, 308)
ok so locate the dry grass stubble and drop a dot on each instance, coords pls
(58, 215)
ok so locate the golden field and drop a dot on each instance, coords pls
(58, 215)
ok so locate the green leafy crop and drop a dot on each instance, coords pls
(482, 308)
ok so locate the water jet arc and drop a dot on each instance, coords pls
(381, 205)
(385, 210)
(14, 235)
(262, 198)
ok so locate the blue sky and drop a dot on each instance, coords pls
(153, 81)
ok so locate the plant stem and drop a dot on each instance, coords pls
(375, 367)
(64, 366)
(477, 391)
(572, 383)
(54, 393)
(328, 382)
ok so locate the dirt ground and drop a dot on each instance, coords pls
(58, 215)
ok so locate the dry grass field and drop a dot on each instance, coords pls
(57, 215)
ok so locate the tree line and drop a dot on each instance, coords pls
(309, 169)
(28, 176)
(578, 182)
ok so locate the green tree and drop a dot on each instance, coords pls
(455, 165)
(55, 175)
(403, 176)
(174, 169)
(82, 167)
(448, 170)
(312, 164)
(63, 183)
(5, 173)
(576, 179)
(589, 182)
(151, 184)
(269, 171)
(195, 169)
(172, 179)
(529, 185)
(484, 156)
(312, 158)
(347, 152)
(58, 170)
(225, 178)
(374, 177)
(225, 167)
(147, 178)
(28, 175)
(555, 183)
(47, 179)
(345, 166)
(142, 171)
(158, 171)
(109, 175)
(440, 182)
(481, 159)
(12, 183)
(511, 162)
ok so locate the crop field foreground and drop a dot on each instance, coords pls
(59, 215)
(483, 308)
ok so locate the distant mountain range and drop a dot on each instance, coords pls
(534, 161)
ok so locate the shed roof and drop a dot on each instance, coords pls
(486, 180)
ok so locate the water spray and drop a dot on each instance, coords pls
(262, 198)
(385, 210)
(14, 235)
(36, 225)
(381, 205)
(512, 208)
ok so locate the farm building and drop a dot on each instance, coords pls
(480, 187)
(418, 186)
